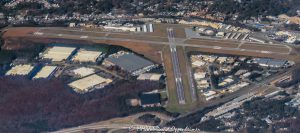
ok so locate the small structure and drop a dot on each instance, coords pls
(220, 34)
(203, 84)
(209, 93)
(198, 63)
(150, 76)
(45, 72)
(199, 75)
(145, 28)
(221, 60)
(72, 24)
(150, 100)
(20, 70)
(151, 28)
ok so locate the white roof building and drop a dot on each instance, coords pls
(199, 75)
(20, 70)
(209, 93)
(85, 55)
(150, 76)
(198, 63)
(58, 53)
(85, 84)
(45, 72)
(84, 71)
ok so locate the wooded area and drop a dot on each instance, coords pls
(43, 105)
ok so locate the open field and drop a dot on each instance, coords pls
(171, 88)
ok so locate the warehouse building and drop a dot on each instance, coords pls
(85, 55)
(58, 53)
(84, 71)
(129, 62)
(22, 70)
(270, 62)
(45, 72)
(88, 83)
(150, 100)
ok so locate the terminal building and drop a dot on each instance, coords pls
(129, 62)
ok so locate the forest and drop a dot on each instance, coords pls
(47, 105)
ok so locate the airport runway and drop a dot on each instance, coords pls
(208, 45)
(176, 68)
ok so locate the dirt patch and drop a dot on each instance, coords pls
(19, 32)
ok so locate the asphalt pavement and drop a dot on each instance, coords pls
(176, 68)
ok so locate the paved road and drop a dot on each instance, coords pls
(126, 126)
(176, 68)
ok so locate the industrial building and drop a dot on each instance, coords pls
(58, 53)
(84, 71)
(150, 76)
(20, 70)
(86, 55)
(86, 84)
(266, 62)
(129, 62)
(150, 100)
(45, 72)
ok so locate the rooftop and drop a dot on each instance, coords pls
(20, 70)
(58, 53)
(84, 84)
(130, 62)
(45, 72)
(150, 76)
(152, 98)
(85, 55)
(84, 71)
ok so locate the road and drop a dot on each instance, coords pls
(126, 127)
(176, 68)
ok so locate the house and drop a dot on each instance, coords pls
(150, 100)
